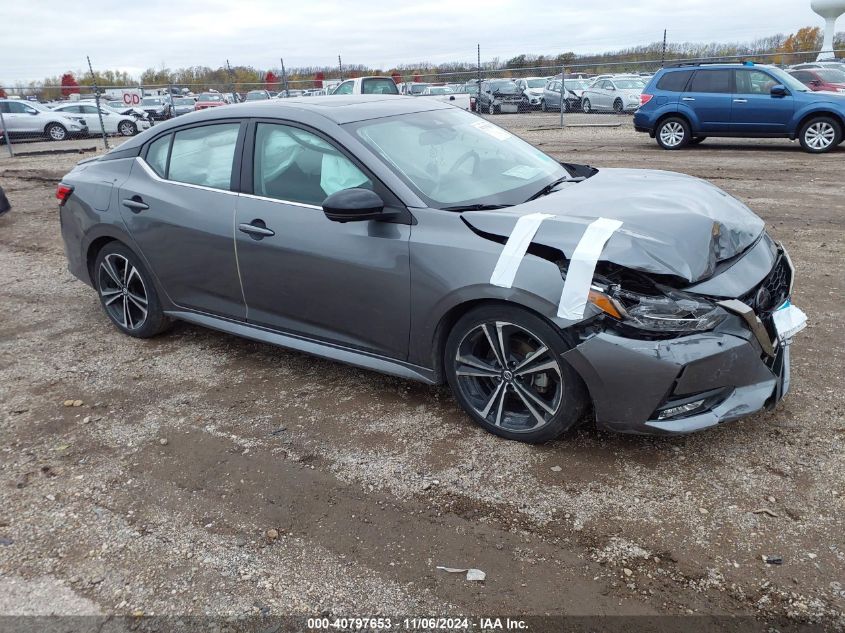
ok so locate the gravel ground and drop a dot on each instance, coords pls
(204, 474)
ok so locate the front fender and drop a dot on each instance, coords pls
(817, 107)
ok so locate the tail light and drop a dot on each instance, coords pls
(63, 193)
(644, 99)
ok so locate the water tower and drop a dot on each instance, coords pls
(829, 10)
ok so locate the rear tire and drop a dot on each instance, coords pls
(127, 292)
(533, 396)
(673, 133)
(586, 106)
(56, 132)
(820, 134)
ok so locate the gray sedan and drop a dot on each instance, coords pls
(612, 95)
(413, 238)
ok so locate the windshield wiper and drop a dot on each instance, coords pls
(551, 186)
(476, 207)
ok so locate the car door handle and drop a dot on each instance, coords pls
(740, 100)
(135, 204)
(256, 229)
(687, 98)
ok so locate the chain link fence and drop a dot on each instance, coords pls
(51, 118)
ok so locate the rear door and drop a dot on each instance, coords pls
(344, 283)
(710, 94)
(179, 206)
(755, 110)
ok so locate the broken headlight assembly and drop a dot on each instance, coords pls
(671, 311)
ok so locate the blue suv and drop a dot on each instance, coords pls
(685, 104)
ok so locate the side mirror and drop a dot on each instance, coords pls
(779, 90)
(353, 205)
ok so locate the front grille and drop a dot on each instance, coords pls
(770, 294)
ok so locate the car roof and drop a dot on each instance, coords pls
(335, 108)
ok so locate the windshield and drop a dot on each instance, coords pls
(417, 89)
(151, 101)
(210, 97)
(787, 80)
(451, 157)
(505, 87)
(184, 102)
(536, 83)
(629, 84)
(575, 84)
(831, 75)
(255, 96)
(440, 90)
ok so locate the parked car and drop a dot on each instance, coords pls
(183, 105)
(686, 104)
(413, 89)
(157, 108)
(616, 94)
(367, 86)
(447, 94)
(113, 122)
(31, 119)
(653, 299)
(574, 89)
(209, 100)
(121, 108)
(819, 79)
(257, 95)
(532, 89)
(501, 95)
(835, 65)
(471, 90)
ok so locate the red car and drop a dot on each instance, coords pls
(209, 100)
(818, 79)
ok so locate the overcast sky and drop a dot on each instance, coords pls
(48, 37)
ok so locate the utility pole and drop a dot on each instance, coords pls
(231, 80)
(562, 90)
(284, 78)
(97, 101)
(663, 56)
(478, 93)
(340, 67)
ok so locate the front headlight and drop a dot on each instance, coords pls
(673, 311)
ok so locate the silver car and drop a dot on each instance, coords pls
(417, 239)
(612, 95)
(27, 119)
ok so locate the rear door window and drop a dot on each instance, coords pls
(674, 81)
(204, 155)
(712, 81)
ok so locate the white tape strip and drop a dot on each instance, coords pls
(515, 248)
(582, 267)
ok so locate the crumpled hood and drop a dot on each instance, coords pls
(672, 224)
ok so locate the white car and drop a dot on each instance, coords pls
(31, 119)
(532, 88)
(447, 94)
(367, 86)
(113, 122)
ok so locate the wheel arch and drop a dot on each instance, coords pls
(676, 114)
(821, 112)
(50, 124)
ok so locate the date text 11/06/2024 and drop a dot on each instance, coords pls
(416, 624)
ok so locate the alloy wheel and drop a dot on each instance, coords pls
(820, 135)
(57, 132)
(123, 292)
(672, 134)
(509, 376)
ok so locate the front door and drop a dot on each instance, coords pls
(343, 283)
(755, 109)
(179, 206)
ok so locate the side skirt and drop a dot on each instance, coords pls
(309, 346)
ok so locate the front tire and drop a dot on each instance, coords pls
(673, 133)
(127, 128)
(586, 106)
(820, 135)
(127, 292)
(56, 132)
(491, 109)
(543, 106)
(504, 366)
(618, 106)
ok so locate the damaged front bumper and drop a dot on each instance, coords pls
(680, 385)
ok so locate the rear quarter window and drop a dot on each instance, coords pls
(674, 81)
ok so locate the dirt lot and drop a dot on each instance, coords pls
(157, 493)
